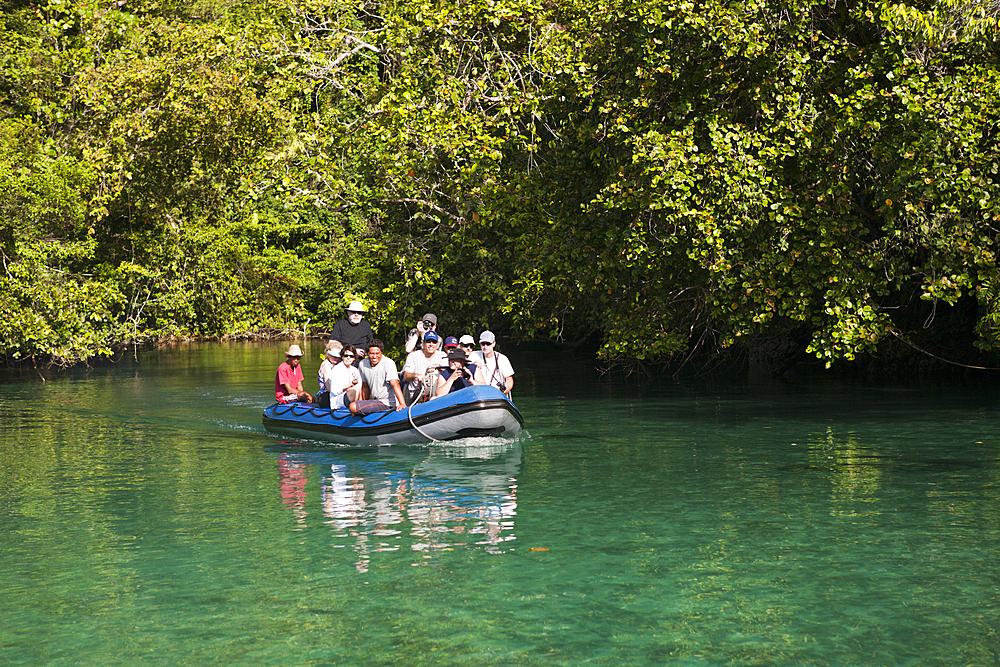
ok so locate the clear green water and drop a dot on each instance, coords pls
(147, 518)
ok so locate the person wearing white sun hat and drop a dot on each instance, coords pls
(288, 379)
(354, 329)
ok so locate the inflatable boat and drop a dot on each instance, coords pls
(468, 413)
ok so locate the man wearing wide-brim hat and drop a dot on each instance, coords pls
(288, 379)
(354, 329)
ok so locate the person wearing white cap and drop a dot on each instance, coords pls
(467, 343)
(288, 380)
(354, 329)
(495, 366)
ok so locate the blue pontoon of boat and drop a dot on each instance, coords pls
(471, 412)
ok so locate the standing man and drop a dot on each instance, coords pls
(355, 330)
(379, 383)
(495, 366)
(288, 380)
(429, 322)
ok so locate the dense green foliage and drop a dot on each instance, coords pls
(674, 176)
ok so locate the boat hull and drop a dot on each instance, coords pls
(472, 412)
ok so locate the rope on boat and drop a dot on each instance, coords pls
(409, 412)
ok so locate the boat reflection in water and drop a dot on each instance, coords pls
(405, 499)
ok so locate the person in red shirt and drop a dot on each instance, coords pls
(288, 380)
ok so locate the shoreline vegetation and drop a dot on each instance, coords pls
(659, 185)
(767, 361)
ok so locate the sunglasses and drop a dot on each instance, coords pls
(347, 356)
(469, 345)
(483, 343)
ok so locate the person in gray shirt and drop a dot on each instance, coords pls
(380, 390)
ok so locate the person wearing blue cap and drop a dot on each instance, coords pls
(421, 366)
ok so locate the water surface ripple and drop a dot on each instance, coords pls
(147, 518)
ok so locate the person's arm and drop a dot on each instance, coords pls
(301, 392)
(400, 401)
(351, 381)
(336, 333)
(504, 366)
(479, 377)
(413, 339)
(290, 382)
(445, 387)
(371, 336)
(408, 375)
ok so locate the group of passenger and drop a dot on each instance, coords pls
(355, 374)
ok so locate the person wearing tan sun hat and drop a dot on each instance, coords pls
(288, 379)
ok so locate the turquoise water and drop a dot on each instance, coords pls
(147, 518)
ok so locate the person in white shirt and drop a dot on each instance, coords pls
(467, 343)
(417, 364)
(331, 357)
(343, 380)
(495, 367)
